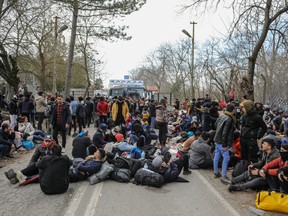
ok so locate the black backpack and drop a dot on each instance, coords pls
(149, 178)
(240, 168)
(124, 163)
(120, 175)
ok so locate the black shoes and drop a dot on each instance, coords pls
(187, 172)
(10, 174)
(217, 175)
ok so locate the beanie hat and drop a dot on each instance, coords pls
(48, 137)
(119, 137)
(103, 126)
(248, 105)
(162, 100)
(157, 161)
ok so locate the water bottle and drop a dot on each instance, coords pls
(145, 166)
(143, 155)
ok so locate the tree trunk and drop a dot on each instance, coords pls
(71, 49)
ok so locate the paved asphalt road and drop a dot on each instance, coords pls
(202, 196)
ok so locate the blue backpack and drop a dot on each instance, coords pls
(135, 153)
(27, 144)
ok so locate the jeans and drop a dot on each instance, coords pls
(134, 138)
(152, 124)
(226, 158)
(40, 120)
(39, 135)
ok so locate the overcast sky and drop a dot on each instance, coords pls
(157, 22)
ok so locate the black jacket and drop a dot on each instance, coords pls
(98, 139)
(54, 173)
(224, 131)
(66, 115)
(80, 145)
(13, 107)
(6, 137)
(253, 126)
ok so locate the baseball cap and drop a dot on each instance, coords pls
(48, 137)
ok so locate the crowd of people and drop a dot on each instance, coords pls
(208, 135)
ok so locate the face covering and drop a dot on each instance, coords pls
(284, 156)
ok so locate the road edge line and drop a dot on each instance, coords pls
(225, 204)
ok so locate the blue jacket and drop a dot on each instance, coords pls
(73, 107)
(123, 146)
(89, 167)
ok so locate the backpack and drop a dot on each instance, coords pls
(27, 144)
(120, 175)
(121, 162)
(100, 176)
(149, 151)
(149, 178)
(135, 153)
(240, 167)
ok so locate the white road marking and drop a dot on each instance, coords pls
(224, 203)
(94, 199)
(78, 196)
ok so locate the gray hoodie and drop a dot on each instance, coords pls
(199, 152)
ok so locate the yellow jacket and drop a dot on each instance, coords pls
(125, 111)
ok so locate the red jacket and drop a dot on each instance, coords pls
(237, 148)
(274, 165)
(103, 108)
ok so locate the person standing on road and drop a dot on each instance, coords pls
(103, 110)
(60, 120)
(120, 112)
(224, 137)
(88, 111)
(80, 113)
(162, 121)
(73, 106)
(253, 128)
(40, 108)
(13, 111)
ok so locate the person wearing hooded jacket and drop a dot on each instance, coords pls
(99, 137)
(253, 128)
(44, 149)
(120, 111)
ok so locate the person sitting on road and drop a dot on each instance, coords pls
(122, 145)
(91, 165)
(54, 172)
(28, 132)
(275, 172)
(169, 168)
(187, 144)
(7, 135)
(251, 178)
(137, 132)
(80, 144)
(200, 153)
(99, 138)
(44, 149)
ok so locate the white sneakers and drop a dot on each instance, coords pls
(20, 177)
